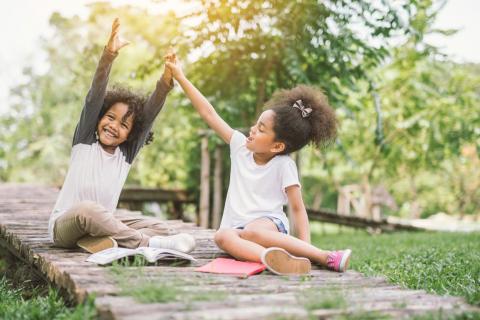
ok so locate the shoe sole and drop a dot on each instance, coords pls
(280, 262)
(345, 260)
(96, 244)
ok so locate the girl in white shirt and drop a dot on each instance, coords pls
(263, 178)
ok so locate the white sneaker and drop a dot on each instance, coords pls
(182, 242)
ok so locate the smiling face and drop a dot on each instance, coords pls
(112, 128)
(261, 139)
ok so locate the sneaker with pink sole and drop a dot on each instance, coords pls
(338, 260)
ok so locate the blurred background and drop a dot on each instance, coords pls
(403, 76)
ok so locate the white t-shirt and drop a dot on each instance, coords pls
(256, 190)
(93, 175)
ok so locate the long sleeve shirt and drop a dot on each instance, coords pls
(94, 174)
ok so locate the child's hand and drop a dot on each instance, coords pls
(173, 65)
(116, 43)
(167, 72)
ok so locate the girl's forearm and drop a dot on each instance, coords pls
(200, 103)
(303, 227)
(96, 94)
(206, 110)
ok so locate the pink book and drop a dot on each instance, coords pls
(232, 266)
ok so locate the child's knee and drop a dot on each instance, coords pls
(88, 210)
(223, 236)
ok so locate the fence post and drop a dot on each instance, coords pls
(217, 187)
(204, 184)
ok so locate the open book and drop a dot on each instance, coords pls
(151, 254)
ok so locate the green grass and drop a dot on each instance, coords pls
(50, 306)
(437, 315)
(314, 299)
(23, 295)
(150, 291)
(441, 263)
(146, 289)
(333, 298)
(147, 292)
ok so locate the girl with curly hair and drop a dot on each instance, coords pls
(113, 127)
(263, 178)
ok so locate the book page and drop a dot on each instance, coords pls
(154, 254)
(111, 254)
(150, 254)
(169, 253)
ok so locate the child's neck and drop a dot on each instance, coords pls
(263, 158)
(108, 149)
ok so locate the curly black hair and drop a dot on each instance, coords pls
(291, 128)
(135, 102)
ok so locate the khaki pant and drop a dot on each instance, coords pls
(91, 218)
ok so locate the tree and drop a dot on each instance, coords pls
(238, 53)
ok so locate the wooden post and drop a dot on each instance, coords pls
(217, 188)
(204, 184)
(177, 210)
(343, 203)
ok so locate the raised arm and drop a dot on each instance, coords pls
(201, 104)
(157, 99)
(152, 108)
(96, 94)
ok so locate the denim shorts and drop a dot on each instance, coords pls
(280, 226)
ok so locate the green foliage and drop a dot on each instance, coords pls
(252, 48)
(429, 121)
(443, 263)
(238, 53)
